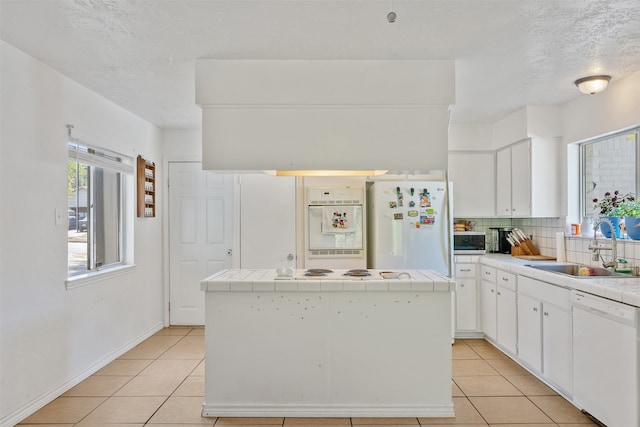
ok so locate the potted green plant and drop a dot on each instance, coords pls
(630, 210)
(609, 208)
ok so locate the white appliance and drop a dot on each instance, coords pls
(605, 359)
(410, 226)
(335, 221)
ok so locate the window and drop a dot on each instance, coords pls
(96, 188)
(608, 164)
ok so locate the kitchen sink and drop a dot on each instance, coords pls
(574, 270)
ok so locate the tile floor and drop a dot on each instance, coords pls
(161, 383)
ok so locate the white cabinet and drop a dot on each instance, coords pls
(513, 178)
(506, 312)
(545, 331)
(267, 221)
(488, 302)
(530, 332)
(466, 297)
(498, 307)
(529, 179)
(557, 348)
(473, 178)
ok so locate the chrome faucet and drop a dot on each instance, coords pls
(596, 248)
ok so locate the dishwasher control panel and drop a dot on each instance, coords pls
(605, 307)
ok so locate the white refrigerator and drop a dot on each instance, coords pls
(410, 226)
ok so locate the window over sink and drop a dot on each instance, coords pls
(608, 164)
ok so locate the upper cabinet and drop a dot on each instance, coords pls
(513, 177)
(528, 179)
(473, 178)
(267, 221)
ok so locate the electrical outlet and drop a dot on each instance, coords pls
(59, 213)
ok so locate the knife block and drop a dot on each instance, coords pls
(516, 251)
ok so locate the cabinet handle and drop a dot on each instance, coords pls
(492, 291)
(505, 279)
(546, 313)
(462, 285)
(535, 308)
(487, 273)
(467, 269)
(499, 293)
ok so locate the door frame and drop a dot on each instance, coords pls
(235, 259)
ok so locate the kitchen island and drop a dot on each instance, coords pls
(333, 346)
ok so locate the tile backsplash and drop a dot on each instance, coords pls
(543, 233)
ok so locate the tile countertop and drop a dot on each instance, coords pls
(625, 290)
(257, 280)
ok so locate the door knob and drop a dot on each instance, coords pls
(290, 257)
(229, 251)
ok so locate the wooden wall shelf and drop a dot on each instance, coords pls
(146, 181)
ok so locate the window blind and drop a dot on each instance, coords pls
(89, 155)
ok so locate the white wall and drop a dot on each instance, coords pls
(470, 136)
(50, 337)
(182, 144)
(616, 108)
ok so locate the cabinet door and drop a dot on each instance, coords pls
(530, 332)
(557, 346)
(506, 319)
(473, 178)
(466, 300)
(267, 221)
(521, 179)
(488, 308)
(503, 182)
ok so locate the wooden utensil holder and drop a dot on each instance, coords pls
(516, 251)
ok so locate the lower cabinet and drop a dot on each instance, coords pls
(488, 302)
(466, 298)
(498, 308)
(557, 347)
(506, 312)
(530, 331)
(545, 331)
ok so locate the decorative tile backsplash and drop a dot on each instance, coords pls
(543, 233)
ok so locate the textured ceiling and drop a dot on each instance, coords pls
(509, 53)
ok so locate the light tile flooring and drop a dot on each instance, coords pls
(161, 383)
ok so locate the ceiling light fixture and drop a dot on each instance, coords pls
(391, 17)
(592, 84)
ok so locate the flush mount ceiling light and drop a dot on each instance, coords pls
(592, 84)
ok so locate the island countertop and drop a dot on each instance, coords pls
(246, 280)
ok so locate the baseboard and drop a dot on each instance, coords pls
(469, 334)
(311, 410)
(45, 398)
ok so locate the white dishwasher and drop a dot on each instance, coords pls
(605, 359)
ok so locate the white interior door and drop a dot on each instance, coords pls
(267, 221)
(200, 236)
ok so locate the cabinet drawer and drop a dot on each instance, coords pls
(465, 270)
(545, 292)
(507, 280)
(489, 274)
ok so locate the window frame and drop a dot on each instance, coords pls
(582, 164)
(122, 166)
